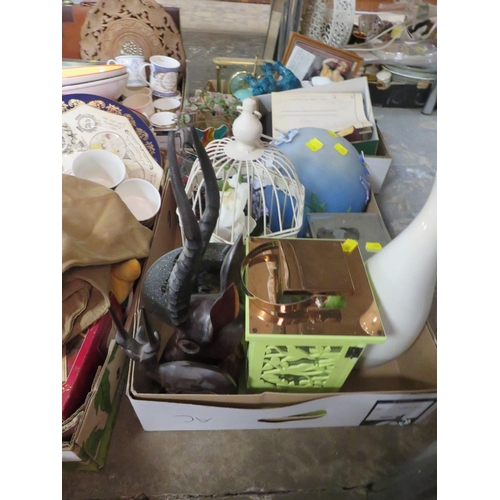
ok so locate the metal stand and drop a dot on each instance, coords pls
(284, 18)
(430, 104)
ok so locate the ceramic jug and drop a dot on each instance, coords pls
(403, 276)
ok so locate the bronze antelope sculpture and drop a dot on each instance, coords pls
(204, 352)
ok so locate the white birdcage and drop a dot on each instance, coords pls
(259, 188)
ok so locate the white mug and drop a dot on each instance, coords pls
(136, 73)
(164, 74)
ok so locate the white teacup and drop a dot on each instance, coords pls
(141, 103)
(135, 70)
(101, 166)
(142, 199)
(167, 104)
(164, 74)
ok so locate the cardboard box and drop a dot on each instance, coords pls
(400, 392)
(378, 165)
(403, 391)
(82, 364)
(87, 448)
(368, 147)
(365, 228)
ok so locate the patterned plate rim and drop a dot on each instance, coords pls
(147, 137)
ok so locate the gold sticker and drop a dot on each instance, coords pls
(373, 246)
(349, 245)
(314, 145)
(341, 149)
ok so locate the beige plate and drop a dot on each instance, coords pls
(137, 27)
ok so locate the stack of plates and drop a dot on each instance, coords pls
(410, 74)
(105, 80)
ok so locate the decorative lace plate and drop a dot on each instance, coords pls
(134, 27)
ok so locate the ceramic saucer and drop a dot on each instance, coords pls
(163, 120)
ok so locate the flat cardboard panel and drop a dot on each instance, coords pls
(363, 227)
(369, 147)
(378, 164)
(341, 410)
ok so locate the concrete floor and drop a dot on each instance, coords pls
(328, 463)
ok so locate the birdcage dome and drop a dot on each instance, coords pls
(260, 191)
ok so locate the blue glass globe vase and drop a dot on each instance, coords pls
(332, 171)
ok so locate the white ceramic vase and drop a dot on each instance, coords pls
(403, 276)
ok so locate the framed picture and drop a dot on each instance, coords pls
(306, 58)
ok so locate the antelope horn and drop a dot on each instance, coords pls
(134, 349)
(230, 269)
(184, 274)
(210, 215)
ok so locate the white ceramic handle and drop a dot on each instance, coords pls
(112, 61)
(255, 112)
(145, 65)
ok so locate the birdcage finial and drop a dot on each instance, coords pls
(247, 129)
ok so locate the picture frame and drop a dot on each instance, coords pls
(307, 58)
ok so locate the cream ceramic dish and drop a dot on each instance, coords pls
(85, 74)
(163, 119)
(170, 104)
(112, 88)
(130, 91)
(141, 103)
